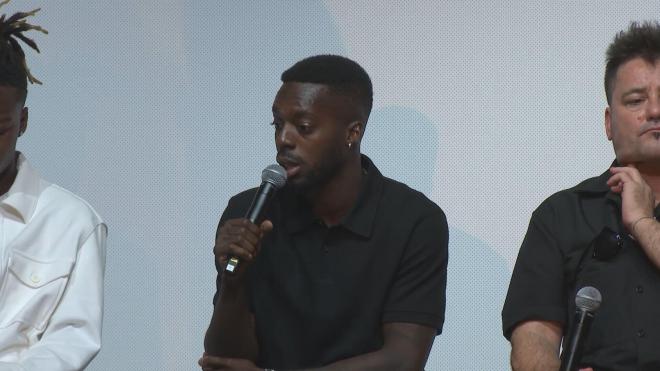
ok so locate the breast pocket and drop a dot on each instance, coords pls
(612, 322)
(31, 290)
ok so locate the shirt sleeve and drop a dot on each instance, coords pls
(236, 208)
(536, 290)
(418, 292)
(73, 335)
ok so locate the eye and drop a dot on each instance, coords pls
(633, 101)
(305, 128)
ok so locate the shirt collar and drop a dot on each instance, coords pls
(359, 220)
(21, 199)
(598, 185)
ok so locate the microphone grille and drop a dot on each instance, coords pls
(275, 175)
(588, 299)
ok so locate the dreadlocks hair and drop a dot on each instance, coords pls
(639, 40)
(339, 73)
(13, 67)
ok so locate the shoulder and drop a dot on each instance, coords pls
(399, 198)
(58, 202)
(242, 200)
(409, 213)
(237, 205)
(568, 199)
(243, 197)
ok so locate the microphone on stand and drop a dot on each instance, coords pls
(587, 302)
(273, 177)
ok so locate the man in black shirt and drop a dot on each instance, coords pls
(348, 270)
(602, 233)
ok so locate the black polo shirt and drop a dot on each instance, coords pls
(321, 294)
(557, 259)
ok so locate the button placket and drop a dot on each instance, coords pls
(327, 240)
(4, 254)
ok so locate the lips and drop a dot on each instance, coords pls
(291, 165)
(647, 128)
(652, 130)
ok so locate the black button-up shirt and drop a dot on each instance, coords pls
(321, 293)
(557, 258)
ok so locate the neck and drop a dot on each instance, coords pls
(651, 175)
(8, 175)
(335, 199)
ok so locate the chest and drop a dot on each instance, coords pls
(600, 253)
(323, 271)
(10, 227)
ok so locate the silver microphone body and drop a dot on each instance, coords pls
(587, 302)
(273, 177)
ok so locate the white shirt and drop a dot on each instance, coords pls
(52, 263)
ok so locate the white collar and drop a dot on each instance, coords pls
(21, 199)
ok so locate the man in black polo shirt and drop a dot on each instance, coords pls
(601, 233)
(348, 271)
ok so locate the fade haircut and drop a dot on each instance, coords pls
(339, 73)
(640, 40)
(14, 71)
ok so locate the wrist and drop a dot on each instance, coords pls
(232, 289)
(634, 226)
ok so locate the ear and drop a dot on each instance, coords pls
(354, 132)
(24, 121)
(608, 122)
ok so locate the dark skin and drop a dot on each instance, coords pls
(13, 122)
(317, 136)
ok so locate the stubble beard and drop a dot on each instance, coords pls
(329, 166)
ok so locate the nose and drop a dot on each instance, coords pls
(284, 136)
(653, 108)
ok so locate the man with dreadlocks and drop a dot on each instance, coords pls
(348, 272)
(52, 243)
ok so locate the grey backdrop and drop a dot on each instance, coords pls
(156, 112)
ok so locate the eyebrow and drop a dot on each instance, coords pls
(297, 113)
(633, 91)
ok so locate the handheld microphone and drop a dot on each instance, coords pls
(587, 302)
(273, 177)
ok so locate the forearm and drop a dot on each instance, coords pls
(7, 366)
(232, 331)
(535, 347)
(379, 360)
(406, 348)
(647, 233)
(534, 359)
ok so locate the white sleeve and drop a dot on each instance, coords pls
(6, 366)
(73, 335)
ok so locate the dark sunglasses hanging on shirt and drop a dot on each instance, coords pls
(607, 244)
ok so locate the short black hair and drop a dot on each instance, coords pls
(340, 73)
(14, 71)
(639, 40)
